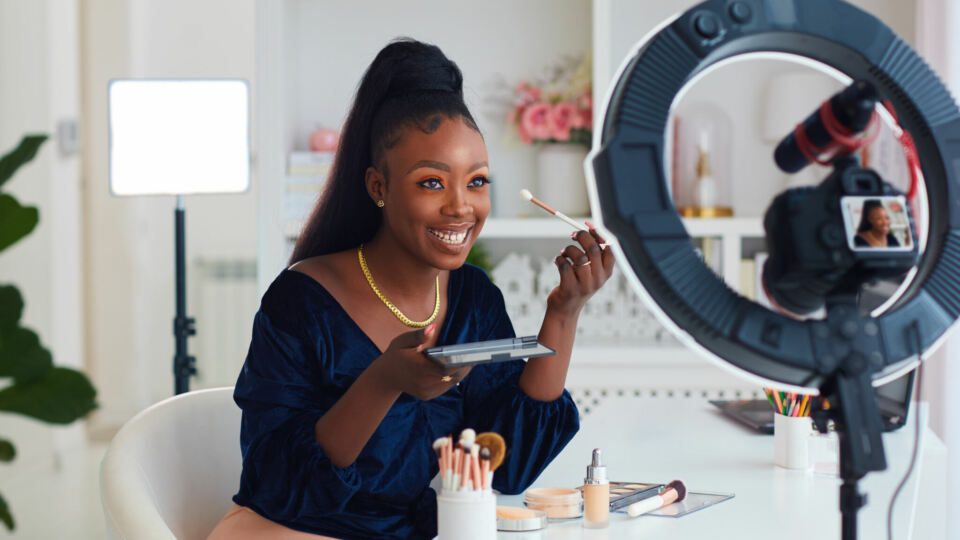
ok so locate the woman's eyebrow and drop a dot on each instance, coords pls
(442, 166)
(478, 165)
(428, 163)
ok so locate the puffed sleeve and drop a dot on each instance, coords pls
(282, 393)
(535, 431)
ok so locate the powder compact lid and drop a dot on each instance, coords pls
(515, 519)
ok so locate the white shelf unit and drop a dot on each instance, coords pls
(729, 231)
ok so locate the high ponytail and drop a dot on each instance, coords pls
(407, 83)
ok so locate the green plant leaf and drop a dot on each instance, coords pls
(15, 221)
(5, 515)
(22, 154)
(7, 450)
(22, 356)
(11, 307)
(61, 396)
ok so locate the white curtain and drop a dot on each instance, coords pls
(938, 41)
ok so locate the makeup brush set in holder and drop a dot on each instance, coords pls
(466, 504)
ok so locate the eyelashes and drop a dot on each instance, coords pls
(435, 184)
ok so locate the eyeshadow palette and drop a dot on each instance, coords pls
(623, 494)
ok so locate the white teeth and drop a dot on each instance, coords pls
(454, 238)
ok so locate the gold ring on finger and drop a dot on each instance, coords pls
(585, 264)
(446, 378)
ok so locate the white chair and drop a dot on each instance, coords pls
(171, 470)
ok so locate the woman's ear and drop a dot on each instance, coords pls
(376, 184)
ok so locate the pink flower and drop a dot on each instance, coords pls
(535, 122)
(527, 94)
(563, 115)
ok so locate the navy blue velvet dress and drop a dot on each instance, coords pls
(306, 351)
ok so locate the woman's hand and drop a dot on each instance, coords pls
(404, 368)
(583, 270)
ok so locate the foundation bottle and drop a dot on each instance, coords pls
(596, 494)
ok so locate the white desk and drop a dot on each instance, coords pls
(658, 440)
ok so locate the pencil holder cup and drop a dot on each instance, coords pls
(467, 515)
(791, 439)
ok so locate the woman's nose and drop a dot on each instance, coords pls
(457, 203)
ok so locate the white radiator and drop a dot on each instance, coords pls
(223, 300)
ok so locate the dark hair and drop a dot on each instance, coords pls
(408, 84)
(869, 205)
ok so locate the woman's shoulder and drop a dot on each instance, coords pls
(300, 288)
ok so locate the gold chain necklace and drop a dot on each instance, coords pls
(396, 311)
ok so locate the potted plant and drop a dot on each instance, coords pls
(32, 385)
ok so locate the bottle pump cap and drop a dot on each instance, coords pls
(596, 471)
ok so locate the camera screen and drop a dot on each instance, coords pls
(878, 222)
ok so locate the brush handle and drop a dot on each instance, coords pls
(647, 505)
(571, 222)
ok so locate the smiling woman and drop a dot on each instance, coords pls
(340, 405)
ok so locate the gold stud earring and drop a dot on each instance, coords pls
(380, 203)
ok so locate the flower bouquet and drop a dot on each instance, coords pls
(555, 108)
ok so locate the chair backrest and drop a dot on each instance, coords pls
(171, 470)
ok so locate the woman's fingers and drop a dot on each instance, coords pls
(594, 252)
(607, 253)
(581, 264)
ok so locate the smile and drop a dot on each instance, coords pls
(454, 238)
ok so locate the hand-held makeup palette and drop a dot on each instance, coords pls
(483, 352)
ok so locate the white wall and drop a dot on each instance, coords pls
(39, 86)
(499, 42)
(129, 241)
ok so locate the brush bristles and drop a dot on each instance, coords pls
(525, 193)
(681, 489)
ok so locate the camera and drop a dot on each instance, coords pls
(851, 229)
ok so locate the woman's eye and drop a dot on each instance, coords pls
(432, 183)
(479, 181)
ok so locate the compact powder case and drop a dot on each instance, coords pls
(558, 503)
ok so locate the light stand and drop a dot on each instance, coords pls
(179, 137)
(854, 410)
(184, 365)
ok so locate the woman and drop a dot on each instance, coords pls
(340, 405)
(874, 228)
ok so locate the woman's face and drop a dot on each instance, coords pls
(879, 221)
(436, 190)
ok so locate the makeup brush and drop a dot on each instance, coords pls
(674, 492)
(527, 196)
(485, 467)
(438, 448)
(475, 466)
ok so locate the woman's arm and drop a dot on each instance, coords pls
(544, 378)
(346, 428)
